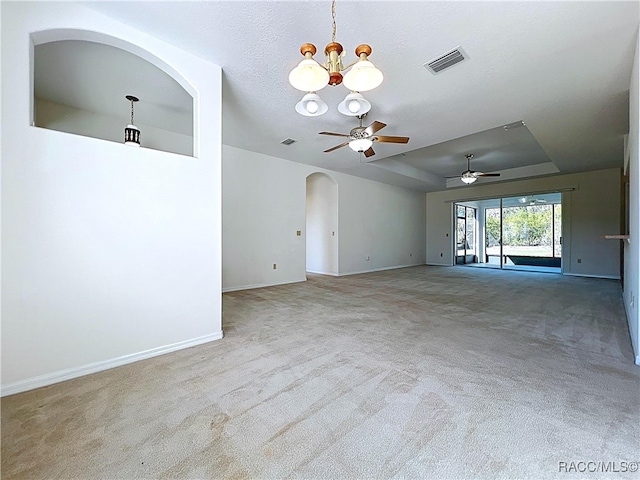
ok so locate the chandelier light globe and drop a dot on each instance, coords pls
(311, 105)
(363, 76)
(309, 76)
(360, 144)
(468, 178)
(354, 105)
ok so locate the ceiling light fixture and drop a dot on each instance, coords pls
(310, 76)
(360, 144)
(468, 177)
(131, 132)
(354, 104)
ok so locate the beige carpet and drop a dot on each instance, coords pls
(423, 372)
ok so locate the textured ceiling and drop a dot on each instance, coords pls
(561, 67)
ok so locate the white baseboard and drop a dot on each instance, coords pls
(322, 273)
(378, 269)
(608, 277)
(260, 285)
(634, 343)
(69, 373)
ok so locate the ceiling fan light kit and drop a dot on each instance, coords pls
(360, 144)
(310, 76)
(468, 177)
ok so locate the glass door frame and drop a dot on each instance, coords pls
(467, 249)
(556, 230)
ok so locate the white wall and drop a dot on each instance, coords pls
(72, 120)
(590, 211)
(109, 253)
(264, 205)
(381, 222)
(322, 224)
(631, 256)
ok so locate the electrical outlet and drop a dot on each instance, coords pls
(274, 266)
(298, 233)
(440, 253)
(579, 260)
(411, 254)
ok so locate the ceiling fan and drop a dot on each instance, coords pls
(362, 138)
(532, 200)
(469, 176)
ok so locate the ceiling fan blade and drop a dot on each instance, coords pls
(388, 139)
(334, 134)
(478, 174)
(369, 152)
(374, 127)
(336, 147)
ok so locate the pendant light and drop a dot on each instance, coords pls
(131, 132)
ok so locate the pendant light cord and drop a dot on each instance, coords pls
(132, 112)
(333, 16)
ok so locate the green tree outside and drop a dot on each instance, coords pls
(522, 226)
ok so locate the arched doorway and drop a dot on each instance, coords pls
(322, 224)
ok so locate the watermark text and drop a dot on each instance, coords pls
(597, 467)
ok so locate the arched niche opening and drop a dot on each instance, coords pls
(322, 224)
(81, 79)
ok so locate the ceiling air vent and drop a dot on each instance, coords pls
(287, 141)
(447, 60)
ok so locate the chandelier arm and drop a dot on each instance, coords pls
(350, 65)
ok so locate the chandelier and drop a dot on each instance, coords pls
(311, 76)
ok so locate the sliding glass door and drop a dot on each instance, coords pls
(466, 244)
(529, 238)
(522, 232)
(493, 236)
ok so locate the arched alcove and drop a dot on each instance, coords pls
(81, 79)
(322, 224)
